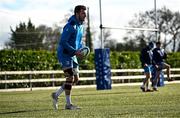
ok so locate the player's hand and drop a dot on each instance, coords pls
(157, 66)
(78, 54)
(145, 65)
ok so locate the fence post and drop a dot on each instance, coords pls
(30, 83)
(5, 78)
(52, 77)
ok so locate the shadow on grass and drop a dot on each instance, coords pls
(23, 111)
(108, 93)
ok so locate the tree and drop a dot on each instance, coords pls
(106, 37)
(50, 36)
(168, 24)
(25, 37)
(178, 48)
(112, 44)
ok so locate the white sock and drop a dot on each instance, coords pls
(148, 84)
(155, 86)
(60, 90)
(68, 99)
(155, 83)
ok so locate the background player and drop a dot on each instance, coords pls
(158, 56)
(146, 61)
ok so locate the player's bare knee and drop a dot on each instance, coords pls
(76, 75)
(148, 75)
(76, 79)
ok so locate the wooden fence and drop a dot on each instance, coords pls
(4, 76)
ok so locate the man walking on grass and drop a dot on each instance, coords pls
(146, 61)
(68, 51)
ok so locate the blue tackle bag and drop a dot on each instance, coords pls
(103, 69)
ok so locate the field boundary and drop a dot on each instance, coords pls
(79, 86)
(52, 79)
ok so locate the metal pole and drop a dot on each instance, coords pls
(101, 32)
(155, 10)
(88, 34)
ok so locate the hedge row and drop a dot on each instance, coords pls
(15, 60)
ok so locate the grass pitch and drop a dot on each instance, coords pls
(119, 102)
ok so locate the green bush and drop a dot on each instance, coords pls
(174, 59)
(125, 60)
(15, 60)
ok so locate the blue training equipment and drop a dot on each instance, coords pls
(161, 78)
(103, 69)
(85, 51)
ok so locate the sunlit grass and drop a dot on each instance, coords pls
(126, 101)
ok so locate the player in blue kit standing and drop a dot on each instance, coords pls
(68, 51)
(146, 58)
(158, 56)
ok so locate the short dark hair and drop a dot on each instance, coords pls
(151, 44)
(158, 43)
(78, 8)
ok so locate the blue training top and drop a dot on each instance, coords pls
(70, 40)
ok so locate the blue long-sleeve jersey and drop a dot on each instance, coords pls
(70, 40)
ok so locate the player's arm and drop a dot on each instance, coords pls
(65, 37)
(165, 55)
